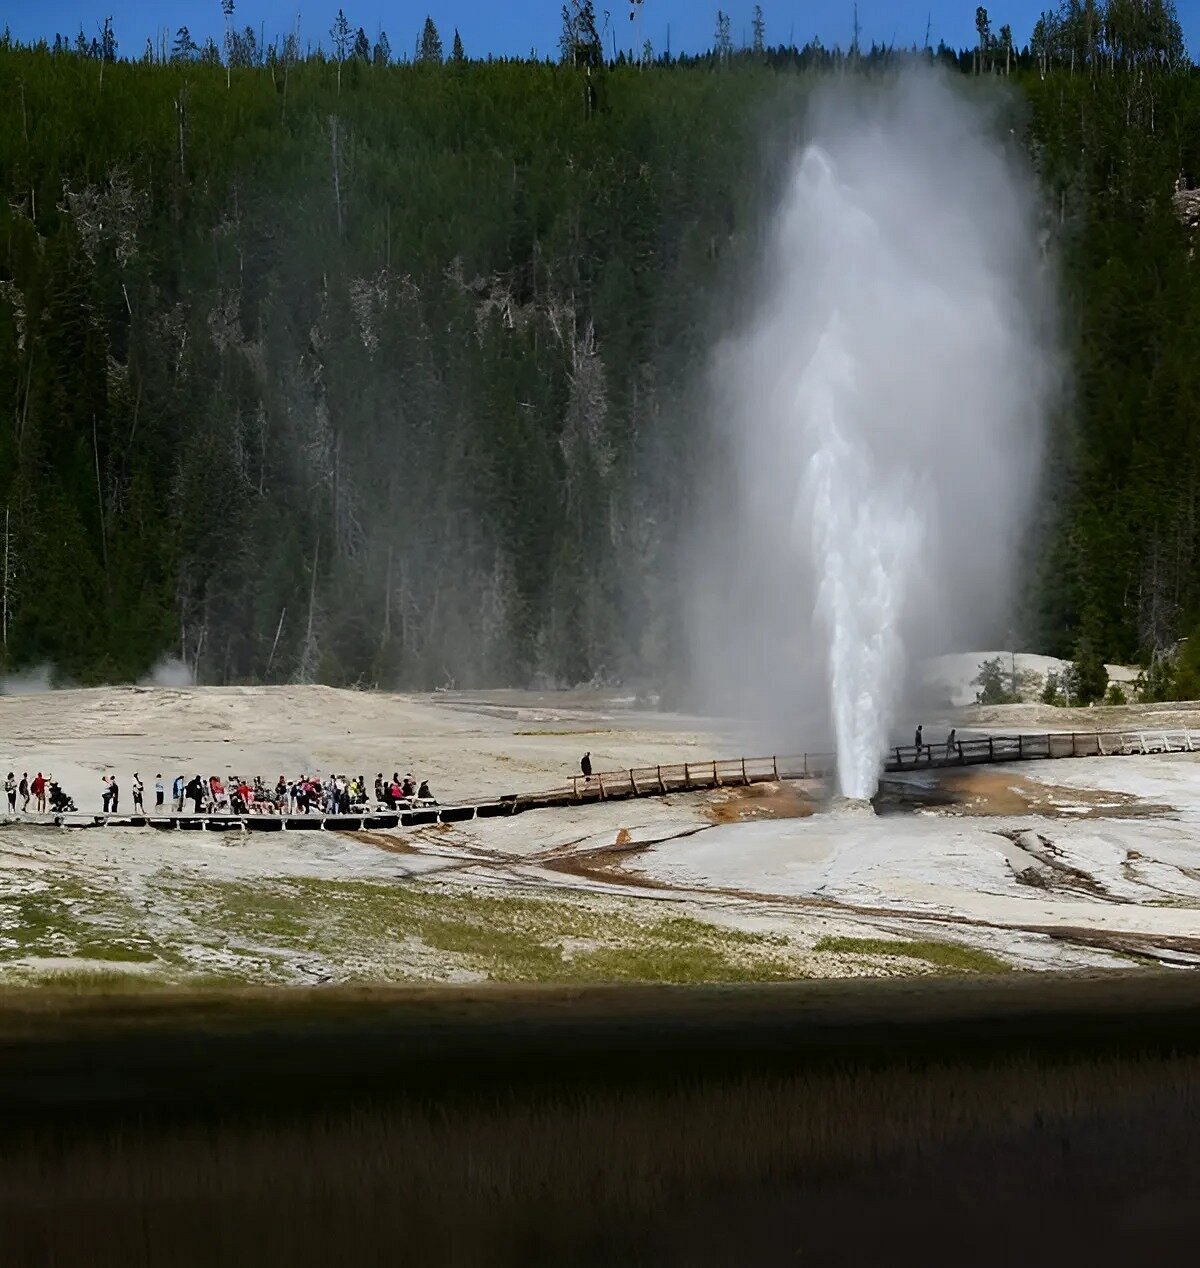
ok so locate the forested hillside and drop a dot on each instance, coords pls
(327, 368)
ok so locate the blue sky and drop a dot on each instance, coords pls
(517, 26)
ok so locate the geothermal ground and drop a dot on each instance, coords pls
(1087, 863)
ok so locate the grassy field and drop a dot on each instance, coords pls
(982, 1121)
(944, 956)
(283, 930)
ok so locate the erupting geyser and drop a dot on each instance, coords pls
(886, 407)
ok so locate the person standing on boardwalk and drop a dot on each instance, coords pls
(138, 791)
(115, 792)
(585, 765)
(177, 787)
(158, 792)
(39, 792)
(106, 796)
(917, 741)
(950, 742)
(10, 787)
(23, 789)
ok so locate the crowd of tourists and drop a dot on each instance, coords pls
(41, 790)
(338, 794)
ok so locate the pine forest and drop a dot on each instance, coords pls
(337, 364)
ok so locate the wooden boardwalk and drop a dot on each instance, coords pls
(659, 781)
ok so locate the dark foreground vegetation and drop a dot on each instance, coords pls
(984, 1122)
(322, 367)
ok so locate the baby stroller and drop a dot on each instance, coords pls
(60, 803)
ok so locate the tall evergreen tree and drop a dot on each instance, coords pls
(983, 31)
(759, 28)
(579, 42)
(184, 49)
(723, 37)
(108, 43)
(429, 46)
(343, 40)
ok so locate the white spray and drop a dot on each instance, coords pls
(885, 407)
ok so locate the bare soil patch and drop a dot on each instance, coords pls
(990, 793)
(384, 841)
(793, 799)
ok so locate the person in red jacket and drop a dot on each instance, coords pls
(38, 788)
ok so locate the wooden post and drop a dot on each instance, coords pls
(600, 778)
(775, 767)
(633, 783)
(1020, 745)
(716, 777)
(1074, 752)
(991, 749)
(745, 777)
(687, 776)
(662, 788)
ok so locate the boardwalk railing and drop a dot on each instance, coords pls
(1053, 744)
(645, 781)
(648, 781)
(654, 781)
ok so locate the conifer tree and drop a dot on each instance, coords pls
(343, 39)
(759, 27)
(184, 49)
(723, 38)
(429, 46)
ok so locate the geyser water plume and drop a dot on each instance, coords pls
(884, 411)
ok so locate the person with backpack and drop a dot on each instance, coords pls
(10, 788)
(177, 790)
(139, 790)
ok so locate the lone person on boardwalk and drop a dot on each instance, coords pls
(585, 765)
(950, 742)
(917, 741)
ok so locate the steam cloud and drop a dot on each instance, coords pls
(884, 409)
